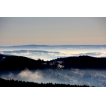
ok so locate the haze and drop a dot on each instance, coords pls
(52, 31)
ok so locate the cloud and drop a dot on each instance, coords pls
(46, 55)
(52, 53)
(78, 73)
(84, 83)
(25, 75)
(30, 75)
(65, 77)
(35, 76)
(100, 77)
(95, 54)
(1, 52)
(74, 76)
(69, 48)
(102, 55)
(103, 84)
(27, 53)
(9, 76)
(24, 51)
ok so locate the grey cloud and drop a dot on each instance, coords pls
(37, 76)
(100, 77)
(91, 54)
(30, 51)
(27, 75)
(66, 77)
(103, 84)
(79, 74)
(84, 83)
(75, 76)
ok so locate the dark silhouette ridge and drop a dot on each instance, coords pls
(81, 62)
(12, 83)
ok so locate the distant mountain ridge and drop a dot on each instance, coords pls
(48, 45)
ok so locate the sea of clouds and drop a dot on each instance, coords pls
(74, 76)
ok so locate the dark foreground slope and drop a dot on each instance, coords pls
(12, 83)
(20, 63)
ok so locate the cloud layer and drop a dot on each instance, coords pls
(48, 55)
(48, 52)
(73, 76)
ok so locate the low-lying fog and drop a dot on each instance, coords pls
(73, 76)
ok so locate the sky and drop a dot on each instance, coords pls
(52, 31)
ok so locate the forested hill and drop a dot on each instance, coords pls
(83, 62)
(20, 63)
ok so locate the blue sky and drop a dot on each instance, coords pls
(52, 31)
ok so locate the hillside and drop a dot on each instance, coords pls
(16, 83)
(20, 63)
